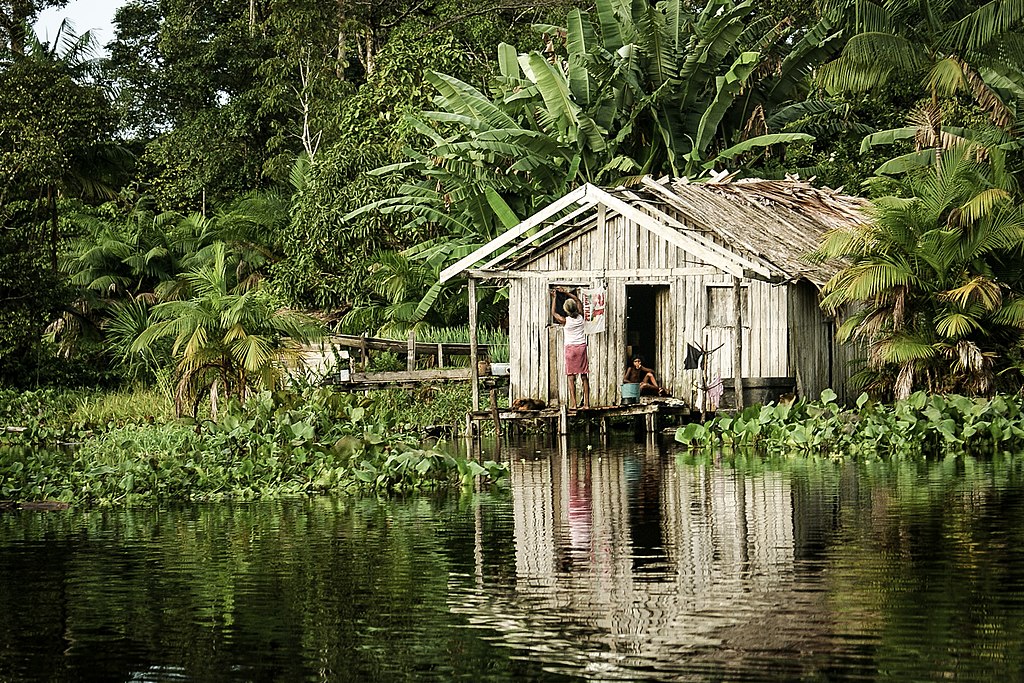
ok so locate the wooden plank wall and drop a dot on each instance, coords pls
(848, 358)
(529, 308)
(536, 347)
(765, 351)
(810, 341)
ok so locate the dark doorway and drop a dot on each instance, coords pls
(642, 322)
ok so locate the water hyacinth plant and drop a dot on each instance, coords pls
(921, 425)
(276, 444)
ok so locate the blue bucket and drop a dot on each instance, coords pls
(630, 391)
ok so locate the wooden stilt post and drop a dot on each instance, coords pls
(496, 416)
(737, 347)
(469, 436)
(474, 356)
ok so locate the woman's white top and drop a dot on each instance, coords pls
(574, 334)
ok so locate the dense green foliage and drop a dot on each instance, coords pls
(920, 425)
(167, 209)
(275, 444)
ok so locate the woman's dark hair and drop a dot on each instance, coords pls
(634, 359)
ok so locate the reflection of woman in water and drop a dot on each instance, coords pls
(579, 513)
(636, 373)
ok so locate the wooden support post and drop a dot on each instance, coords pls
(651, 421)
(496, 416)
(440, 355)
(364, 355)
(474, 358)
(563, 419)
(469, 436)
(604, 429)
(737, 347)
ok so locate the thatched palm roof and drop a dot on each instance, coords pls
(753, 227)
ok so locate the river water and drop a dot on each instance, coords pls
(621, 563)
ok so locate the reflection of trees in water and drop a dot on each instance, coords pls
(677, 562)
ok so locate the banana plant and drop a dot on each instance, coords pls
(631, 90)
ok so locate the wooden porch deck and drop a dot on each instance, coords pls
(562, 420)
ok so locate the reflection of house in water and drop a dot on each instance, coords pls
(638, 562)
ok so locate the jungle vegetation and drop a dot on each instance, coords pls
(224, 180)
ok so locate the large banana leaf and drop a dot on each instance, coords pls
(501, 208)
(508, 61)
(554, 90)
(579, 77)
(650, 27)
(727, 88)
(887, 137)
(611, 32)
(907, 162)
(460, 98)
(756, 143)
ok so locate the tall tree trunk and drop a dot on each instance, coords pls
(51, 198)
(341, 61)
(370, 58)
(213, 399)
(13, 19)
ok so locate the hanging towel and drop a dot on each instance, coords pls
(693, 356)
(715, 392)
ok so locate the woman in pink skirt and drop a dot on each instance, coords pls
(575, 343)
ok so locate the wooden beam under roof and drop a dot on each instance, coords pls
(576, 196)
(537, 235)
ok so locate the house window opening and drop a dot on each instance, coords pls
(719, 306)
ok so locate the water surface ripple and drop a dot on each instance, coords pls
(628, 562)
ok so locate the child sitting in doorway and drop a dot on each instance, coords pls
(636, 373)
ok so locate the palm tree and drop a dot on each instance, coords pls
(406, 296)
(224, 337)
(947, 47)
(934, 281)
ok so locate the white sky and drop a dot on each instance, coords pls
(85, 15)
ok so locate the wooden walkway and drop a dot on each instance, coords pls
(411, 379)
(344, 361)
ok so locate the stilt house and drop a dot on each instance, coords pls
(708, 281)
